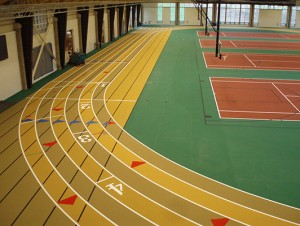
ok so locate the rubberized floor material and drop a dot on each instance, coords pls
(66, 158)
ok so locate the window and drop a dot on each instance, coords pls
(245, 14)
(181, 14)
(223, 13)
(235, 14)
(172, 16)
(159, 13)
(160, 7)
(295, 11)
(40, 21)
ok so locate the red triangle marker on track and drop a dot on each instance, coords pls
(78, 87)
(220, 221)
(136, 163)
(57, 109)
(111, 123)
(50, 144)
(68, 201)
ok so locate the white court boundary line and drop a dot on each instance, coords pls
(271, 82)
(262, 112)
(213, 91)
(185, 182)
(193, 172)
(285, 97)
(268, 68)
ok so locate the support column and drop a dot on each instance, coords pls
(83, 27)
(106, 25)
(138, 15)
(111, 22)
(97, 45)
(79, 32)
(56, 43)
(121, 15)
(127, 17)
(116, 22)
(61, 26)
(99, 24)
(201, 15)
(251, 16)
(177, 11)
(214, 13)
(288, 17)
(17, 28)
(27, 42)
(142, 14)
(133, 16)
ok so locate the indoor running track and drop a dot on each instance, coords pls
(92, 172)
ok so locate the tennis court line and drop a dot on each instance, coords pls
(215, 97)
(200, 43)
(249, 60)
(297, 82)
(284, 36)
(262, 112)
(233, 44)
(285, 97)
(288, 61)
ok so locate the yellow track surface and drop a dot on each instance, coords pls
(89, 171)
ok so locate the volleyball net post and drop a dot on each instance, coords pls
(218, 43)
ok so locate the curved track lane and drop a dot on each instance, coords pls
(72, 137)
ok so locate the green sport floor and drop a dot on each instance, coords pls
(176, 116)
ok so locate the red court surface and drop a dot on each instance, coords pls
(251, 35)
(253, 61)
(245, 44)
(257, 99)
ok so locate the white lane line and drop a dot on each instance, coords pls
(105, 179)
(198, 174)
(246, 207)
(23, 152)
(136, 155)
